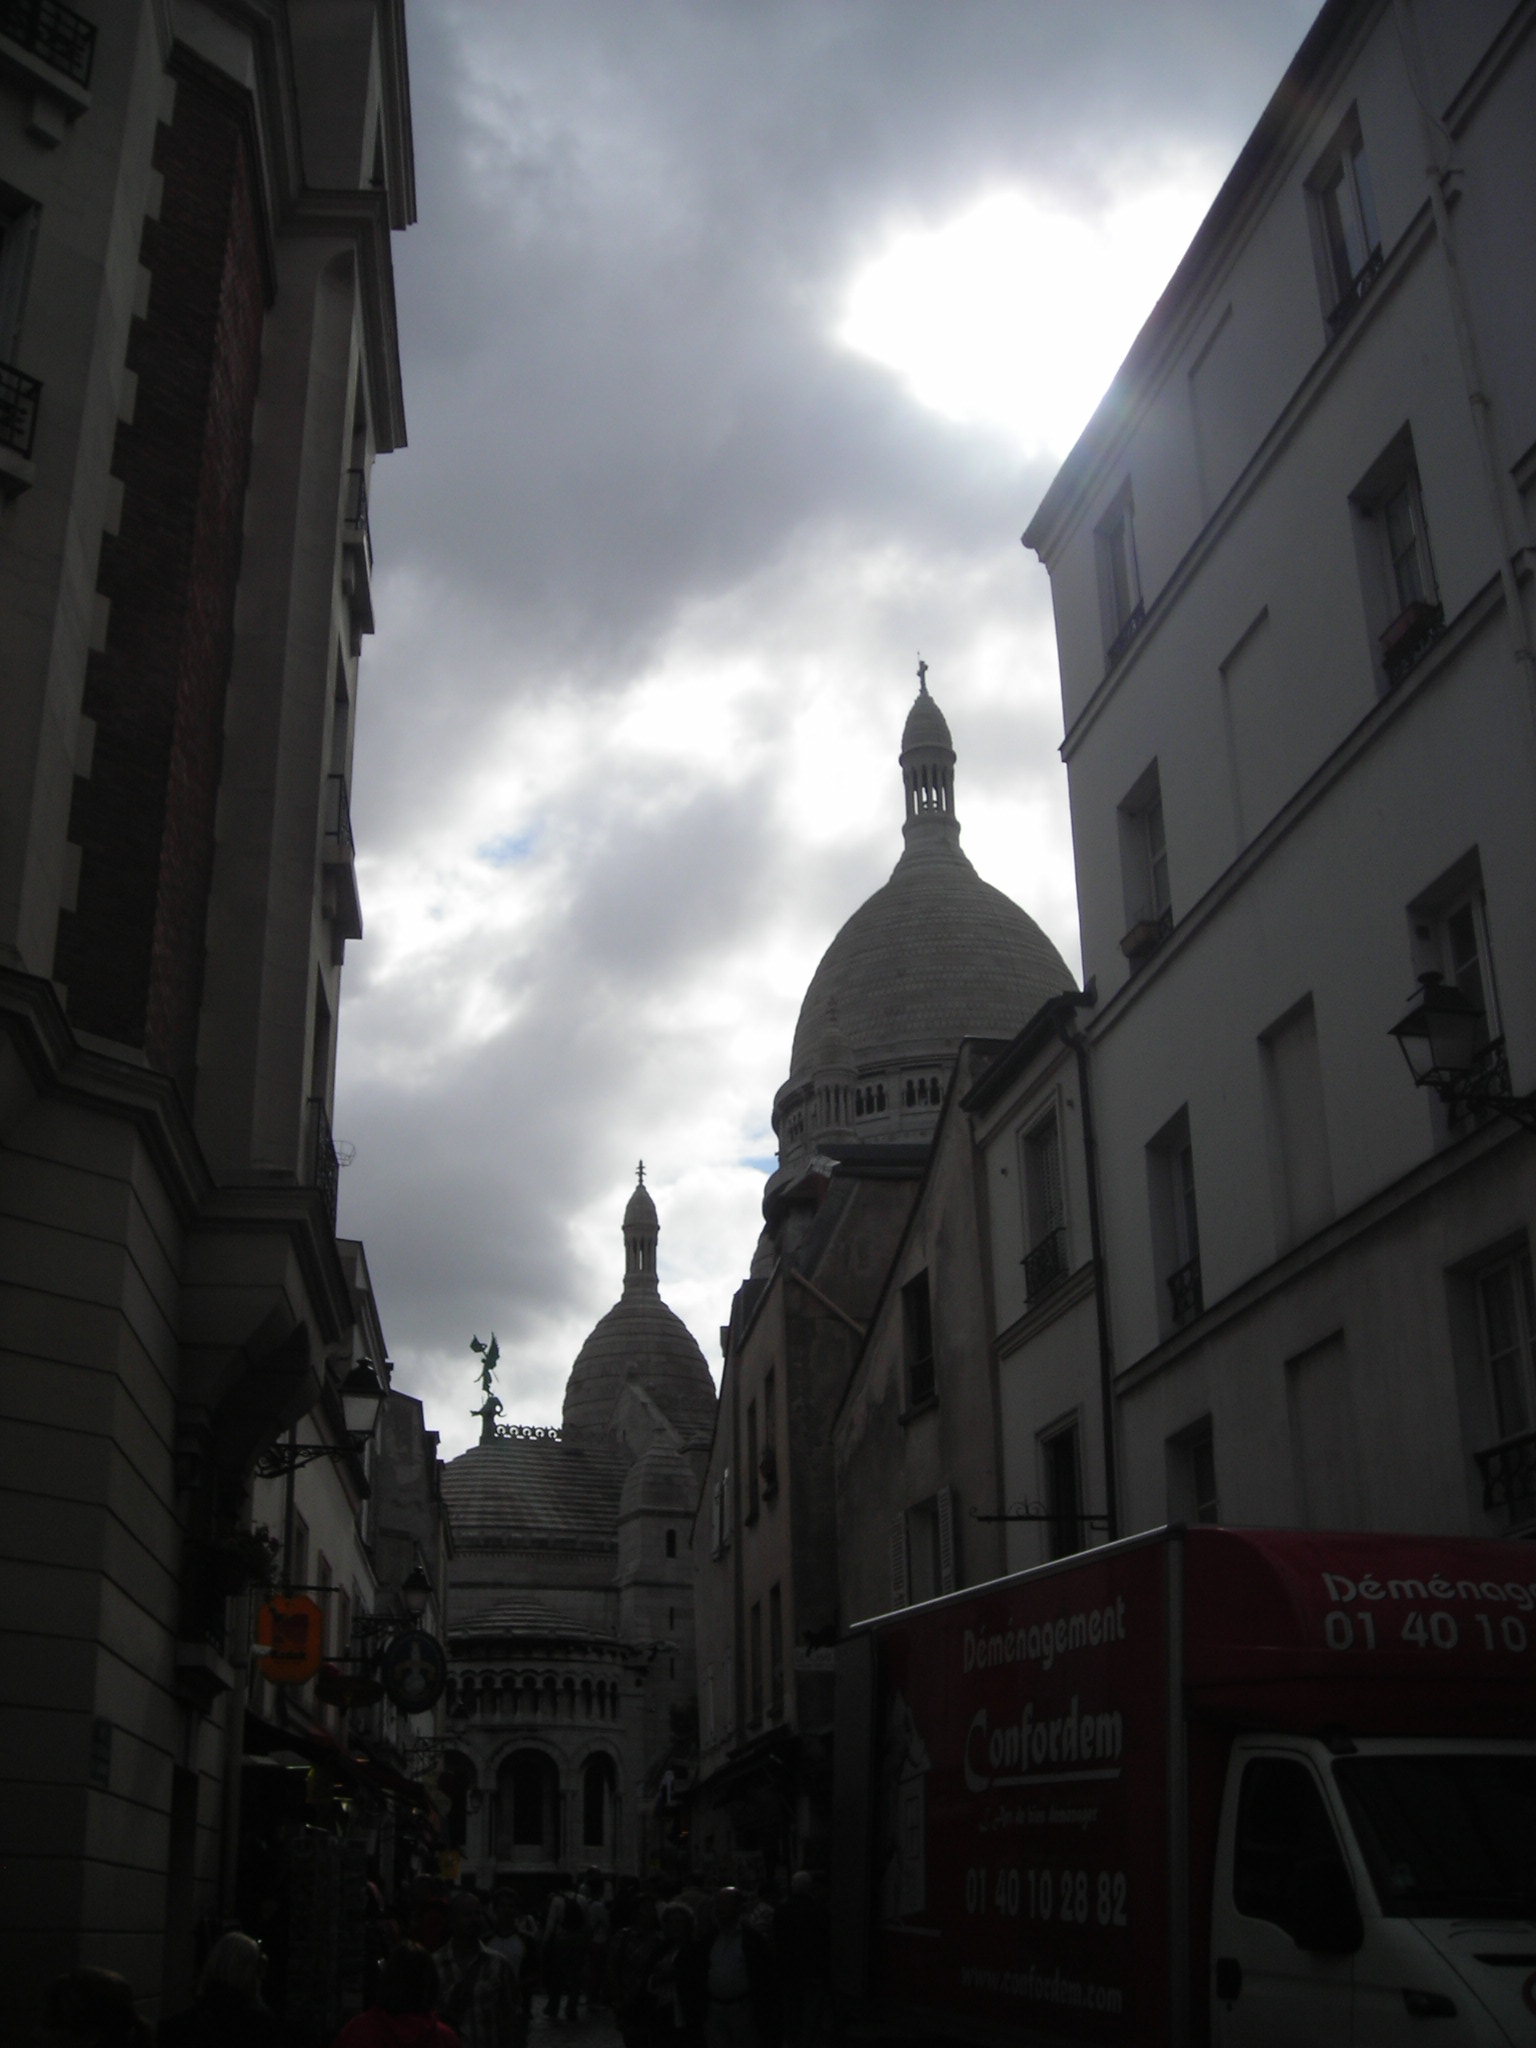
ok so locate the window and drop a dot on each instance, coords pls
(1285, 1842)
(597, 1781)
(923, 1549)
(1120, 606)
(1192, 1475)
(671, 1543)
(720, 1515)
(776, 1653)
(1398, 571)
(1449, 936)
(1175, 1224)
(770, 1457)
(755, 1641)
(753, 1494)
(1301, 1177)
(1045, 1259)
(917, 1336)
(1348, 237)
(1144, 868)
(1506, 1328)
(1063, 1491)
(18, 238)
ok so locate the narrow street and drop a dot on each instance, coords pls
(591, 2030)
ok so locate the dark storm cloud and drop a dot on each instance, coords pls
(634, 445)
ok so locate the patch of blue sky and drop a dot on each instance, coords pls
(760, 1165)
(509, 848)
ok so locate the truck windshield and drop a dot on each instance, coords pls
(1446, 1836)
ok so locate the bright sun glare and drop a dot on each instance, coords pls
(1016, 314)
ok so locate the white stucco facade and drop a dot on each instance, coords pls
(1290, 561)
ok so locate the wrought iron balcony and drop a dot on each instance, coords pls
(1184, 1293)
(357, 553)
(1354, 292)
(324, 1166)
(1045, 1264)
(1127, 633)
(19, 395)
(1411, 634)
(1145, 936)
(53, 32)
(1509, 1480)
(354, 516)
(340, 900)
(339, 843)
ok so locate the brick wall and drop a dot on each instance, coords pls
(131, 953)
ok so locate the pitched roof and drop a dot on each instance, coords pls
(536, 1492)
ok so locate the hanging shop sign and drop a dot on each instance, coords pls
(291, 1628)
(415, 1671)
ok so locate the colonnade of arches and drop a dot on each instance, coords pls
(534, 1809)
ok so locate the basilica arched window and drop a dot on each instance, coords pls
(597, 1790)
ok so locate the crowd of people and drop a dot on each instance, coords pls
(452, 1969)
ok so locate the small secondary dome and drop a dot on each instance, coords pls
(640, 1339)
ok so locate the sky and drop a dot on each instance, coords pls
(740, 339)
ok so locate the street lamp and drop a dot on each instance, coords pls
(416, 1591)
(362, 1399)
(1444, 1039)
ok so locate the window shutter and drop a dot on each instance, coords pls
(945, 1502)
(898, 1560)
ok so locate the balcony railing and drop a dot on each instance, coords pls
(47, 29)
(324, 1166)
(1411, 634)
(1509, 1480)
(339, 843)
(19, 395)
(354, 515)
(1045, 1264)
(1354, 292)
(1126, 634)
(1184, 1293)
(1145, 936)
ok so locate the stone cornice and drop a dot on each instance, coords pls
(362, 218)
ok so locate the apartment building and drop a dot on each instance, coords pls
(1290, 561)
(198, 367)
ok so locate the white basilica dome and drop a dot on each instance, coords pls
(935, 956)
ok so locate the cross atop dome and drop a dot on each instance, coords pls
(928, 772)
(641, 1229)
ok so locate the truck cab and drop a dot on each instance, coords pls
(1366, 1888)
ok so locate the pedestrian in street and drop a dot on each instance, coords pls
(406, 2013)
(506, 1937)
(478, 1990)
(229, 2011)
(599, 1930)
(93, 2008)
(565, 1949)
(743, 2006)
(802, 1932)
(678, 1983)
(631, 1959)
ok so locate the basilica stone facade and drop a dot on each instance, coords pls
(571, 1601)
(922, 986)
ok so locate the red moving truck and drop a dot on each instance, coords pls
(1247, 1788)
